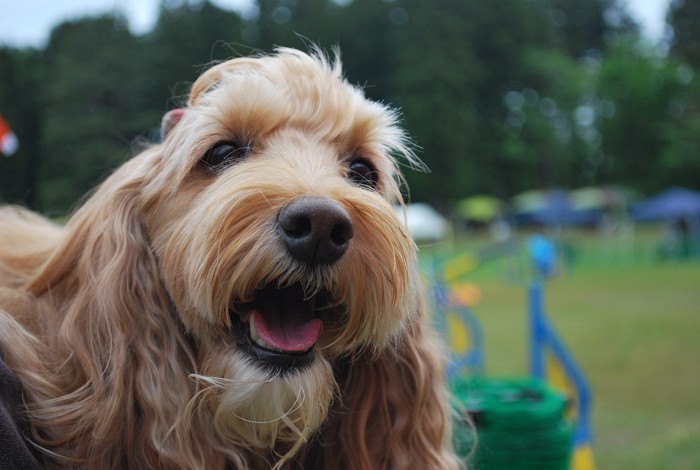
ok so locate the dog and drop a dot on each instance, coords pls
(241, 295)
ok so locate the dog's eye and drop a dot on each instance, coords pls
(362, 173)
(224, 153)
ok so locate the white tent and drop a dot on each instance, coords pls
(424, 222)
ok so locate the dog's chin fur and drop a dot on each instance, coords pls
(256, 408)
(126, 326)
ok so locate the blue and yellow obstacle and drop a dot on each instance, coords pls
(454, 300)
(550, 361)
(462, 331)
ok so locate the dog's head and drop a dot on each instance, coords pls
(230, 291)
(270, 207)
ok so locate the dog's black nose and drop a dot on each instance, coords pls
(316, 231)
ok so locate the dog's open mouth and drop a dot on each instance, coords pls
(280, 326)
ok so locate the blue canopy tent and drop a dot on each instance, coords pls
(680, 208)
(670, 205)
(550, 208)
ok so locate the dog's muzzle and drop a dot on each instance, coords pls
(282, 324)
(316, 231)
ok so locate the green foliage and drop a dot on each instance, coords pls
(499, 97)
(680, 158)
(683, 17)
(643, 91)
(92, 106)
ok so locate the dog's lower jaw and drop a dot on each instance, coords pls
(258, 408)
(277, 362)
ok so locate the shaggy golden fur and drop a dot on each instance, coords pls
(125, 326)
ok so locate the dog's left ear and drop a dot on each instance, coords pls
(169, 121)
(125, 341)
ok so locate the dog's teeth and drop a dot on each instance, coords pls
(254, 334)
(253, 330)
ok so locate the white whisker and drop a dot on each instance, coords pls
(298, 403)
(222, 382)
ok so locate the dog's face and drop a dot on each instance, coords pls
(269, 206)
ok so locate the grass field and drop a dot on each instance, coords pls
(633, 325)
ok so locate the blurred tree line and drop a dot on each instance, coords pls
(500, 96)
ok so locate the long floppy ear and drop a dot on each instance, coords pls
(393, 412)
(124, 361)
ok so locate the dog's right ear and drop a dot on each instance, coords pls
(169, 121)
(394, 410)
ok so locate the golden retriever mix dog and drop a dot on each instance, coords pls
(239, 296)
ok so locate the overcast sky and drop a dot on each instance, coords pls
(28, 22)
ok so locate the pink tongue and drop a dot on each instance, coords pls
(290, 336)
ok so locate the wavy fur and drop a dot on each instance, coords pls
(118, 324)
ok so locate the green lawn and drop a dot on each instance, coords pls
(633, 325)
